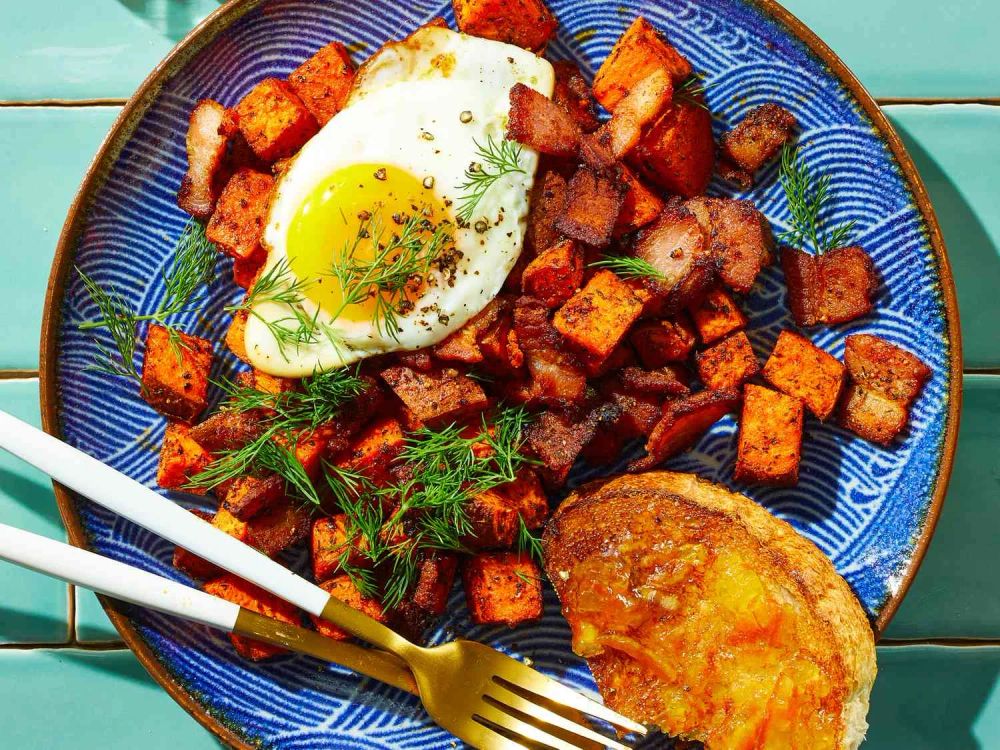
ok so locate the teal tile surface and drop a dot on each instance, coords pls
(935, 697)
(92, 624)
(44, 153)
(956, 594)
(957, 152)
(33, 607)
(95, 50)
(911, 48)
(77, 700)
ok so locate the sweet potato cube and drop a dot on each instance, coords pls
(236, 335)
(330, 541)
(641, 205)
(247, 595)
(181, 457)
(434, 583)
(323, 81)
(770, 442)
(206, 154)
(525, 23)
(548, 199)
(741, 238)
(677, 152)
(593, 203)
(641, 50)
(597, 317)
(502, 587)
(246, 270)
(343, 588)
(728, 363)
(237, 224)
(554, 275)
(463, 344)
(717, 316)
(835, 287)
(274, 120)
(539, 123)
(684, 420)
(758, 136)
(495, 514)
(247, 496)
(731, 173)
(647, 100)
(175, 372)
(279, 527)
(375, 449)
(227, 522)
(572, 93)
(661, 342)
(798, 368)
(436, 397)
(192, 565)
(886, 368)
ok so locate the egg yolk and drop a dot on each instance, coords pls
(339, 223)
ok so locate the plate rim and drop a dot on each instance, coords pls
(227, 14)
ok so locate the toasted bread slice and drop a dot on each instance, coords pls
(702, 614)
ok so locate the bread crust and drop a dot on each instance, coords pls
(591, 526)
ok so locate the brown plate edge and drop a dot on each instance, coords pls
(229, 13)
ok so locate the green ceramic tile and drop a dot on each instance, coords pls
(957, 152)
(77, 700)
(92, 624)
(33, 607)
(911, 48)
(934, 697)
(96, 49)
(956, 594)
(44, 152)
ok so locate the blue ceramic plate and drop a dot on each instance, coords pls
(871, 509)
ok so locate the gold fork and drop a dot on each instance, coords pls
(485, 697)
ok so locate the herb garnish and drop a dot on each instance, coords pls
(504, 158)
(808, 197)
(192, 267)
(527, 541)
(692, 90)
(446, 467)
(629, 267)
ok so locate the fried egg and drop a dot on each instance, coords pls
(366, 250)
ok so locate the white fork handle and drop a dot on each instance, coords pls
(115, 579)
(128, 498)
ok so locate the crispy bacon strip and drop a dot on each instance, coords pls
(555, 372)
(540, 123)
(758, 136)
(206, 153)
(683, 422)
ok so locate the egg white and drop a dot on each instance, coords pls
(424, 85)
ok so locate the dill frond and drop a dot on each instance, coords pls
(527, 541)
(629, 267)
(808, 197)
(498, 159)
(692, 90)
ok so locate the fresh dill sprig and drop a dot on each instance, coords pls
(401, 261)
(498, 159)
(191, 269)
(692, 90)
(808, 198)
(527, 541)
(629, 267)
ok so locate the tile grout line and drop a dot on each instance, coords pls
(69, 103)
(98, 646)
(894, 643)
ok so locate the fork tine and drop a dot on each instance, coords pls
(534, 682)
(494, 715)
(509, 699)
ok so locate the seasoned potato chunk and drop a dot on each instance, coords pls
(274, 120)
(770, 443)
(728, 363)
(502, 587)
(555, 274)
(181, 457)
(237, 224)
(678, 151)
(436, 397)
(192, 565)
(758, 136)
(799, 368)
(526, 23)
(323, 81)
(175, 373)
(247, 595)
(717, 316)
(343, 588)
(329, 543)
(597, 317)
(661, 342)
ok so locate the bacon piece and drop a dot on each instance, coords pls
(638, 52)
(557, 439)
(548, 200)
(556, 375)
(573, 94)
(663, 381)
(758, 136)
(643, 104)
(683, 422)
(740, 238)
(834, 287)
(279, 527)
(731, 173)
(641, 205)
(661, 342)
(539, 123)
(678, 152)
(228, 430)
(206, 155)
(438, 396)
(593, 202)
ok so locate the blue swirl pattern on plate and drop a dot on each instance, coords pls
(863, 505)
